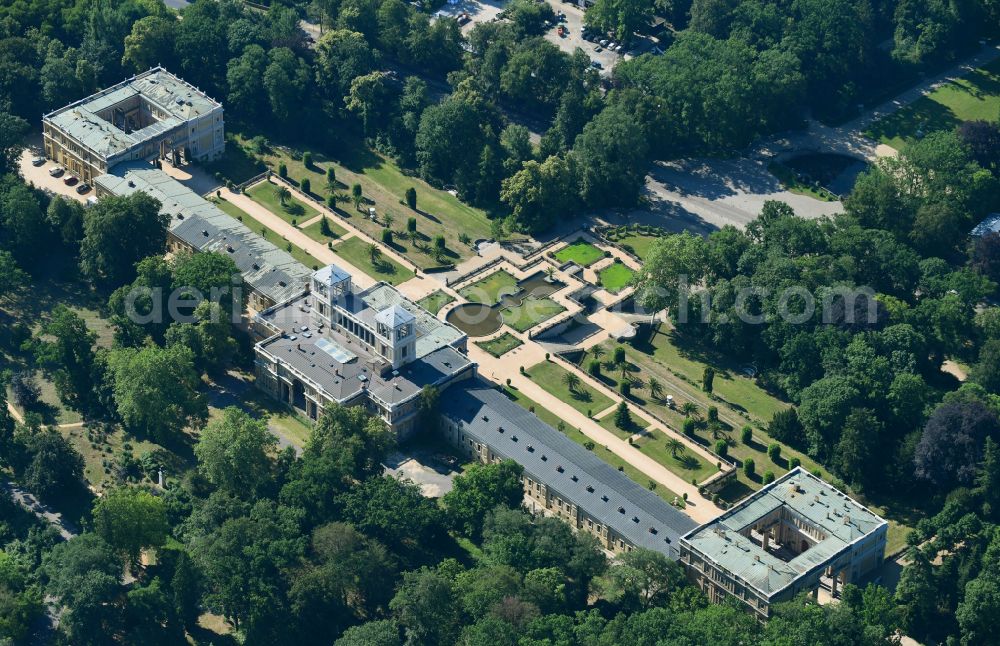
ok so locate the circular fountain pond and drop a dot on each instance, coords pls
(476, 319)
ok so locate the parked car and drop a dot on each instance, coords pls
(596, 65)
(603, 42)
(598, 49)
(37, 161)
(618, 48)
(70, 180)
(83, 188)
(561, 30)
(56, 171)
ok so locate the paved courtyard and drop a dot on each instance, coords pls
(431, 472)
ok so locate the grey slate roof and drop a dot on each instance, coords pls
(602, 491)
(266, 268)
(841, 519)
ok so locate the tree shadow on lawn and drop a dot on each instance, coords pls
(294, 209)
(688, 462)
(427, 215)
(924, 115)
(352, 153)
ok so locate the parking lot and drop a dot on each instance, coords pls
(40, 177)
(477, 10)
(573, 37)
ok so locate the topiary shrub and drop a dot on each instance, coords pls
(794, 462)
(749, 468)
(282, 170)
(305, 185)
(746, 435)
(722, 447)
(774, 451)
(768, 477)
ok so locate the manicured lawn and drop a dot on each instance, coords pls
(972, 97)
(272, 236)
(615, 277)
(49, 406)
(291, 425)
(602, 452)
(292, 211)
(434, 301)
(653, 443)
(355, 251)
(686, 464)
(549, 375)
(500, 345)
(315, 232)
(531, 312)
(384, 186)
(489, 289)
(636, 239)
(638, 424)
(581, 252)
(790, 181)
(237, 164)
(742, 392)
(228, 207)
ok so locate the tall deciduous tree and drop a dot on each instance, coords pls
(118, 233)
(69, 357)
(131, 520)
(235, 453)
(479, 490)
(155, 390)
(951, 445)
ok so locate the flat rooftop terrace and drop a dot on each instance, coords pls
(840, 519)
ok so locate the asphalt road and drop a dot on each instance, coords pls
(27, 500)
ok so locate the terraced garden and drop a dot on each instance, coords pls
(357, 252)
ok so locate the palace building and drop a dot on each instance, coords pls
(562, 478)
(334, 344)
(270, 275)
(153, 115)
(795, 535)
